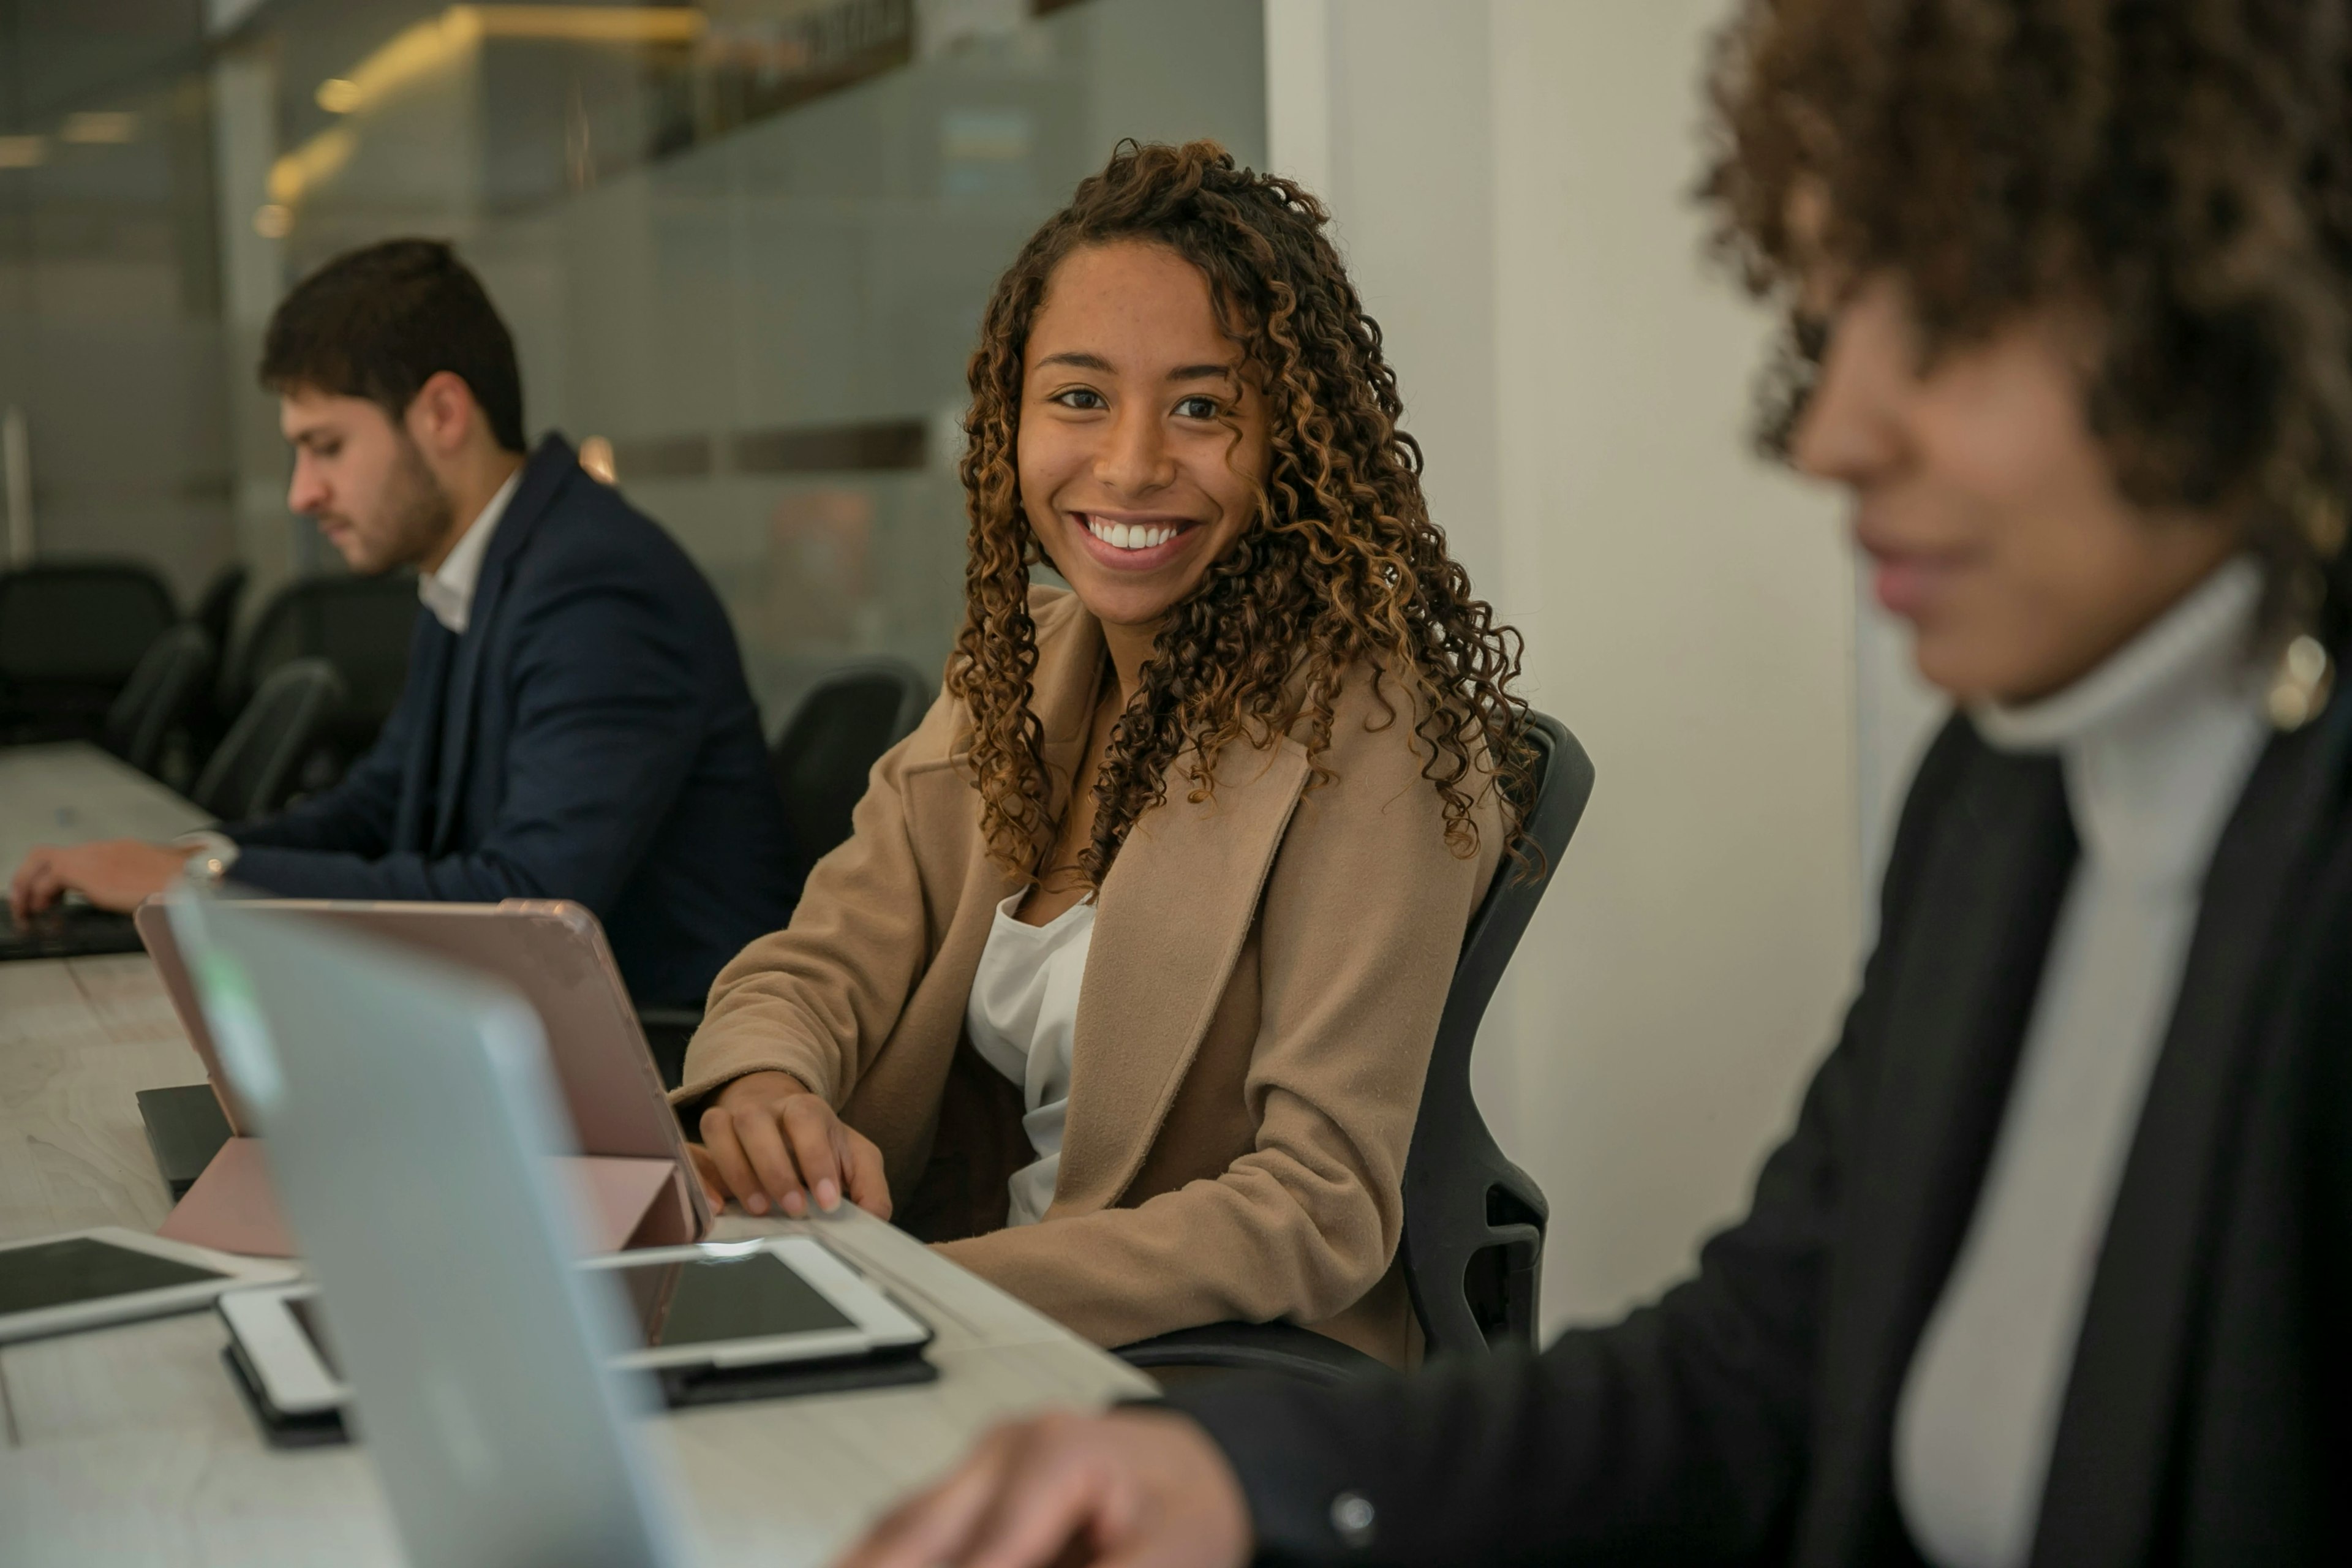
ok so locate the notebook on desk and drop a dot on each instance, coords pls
(185, 1128)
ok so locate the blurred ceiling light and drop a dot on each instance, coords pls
(433, 46)
(593, 24)
(596, 456)
(110, 127)
(413, 54)
(23, 151)
(315, 160)
(272, 221)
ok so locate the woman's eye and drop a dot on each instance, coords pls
(1198, 408)
(1080, 397)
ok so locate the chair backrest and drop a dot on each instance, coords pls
(159, 695)
(841, 726)
(362, 625)
(216, 609)
(255, 769)
(1473, 1222)
(70, 634)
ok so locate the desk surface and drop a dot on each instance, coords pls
(70, 792)
(127, 1444)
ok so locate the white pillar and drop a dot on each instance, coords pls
(1298, 90)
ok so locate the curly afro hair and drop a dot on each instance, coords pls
(2183, 167)
(1341, 569)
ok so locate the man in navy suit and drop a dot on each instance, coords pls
(575, 724)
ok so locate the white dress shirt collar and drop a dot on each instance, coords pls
(449, 592)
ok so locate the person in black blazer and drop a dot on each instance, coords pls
(575, 722)
(2056, 1266)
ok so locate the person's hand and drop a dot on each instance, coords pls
(772, 1144)
(113, 874)
(1137, 1489)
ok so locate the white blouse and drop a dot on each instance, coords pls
(1024, 1007)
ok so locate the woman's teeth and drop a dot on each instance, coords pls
(1130, 535)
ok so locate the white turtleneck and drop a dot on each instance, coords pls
(2155, 745)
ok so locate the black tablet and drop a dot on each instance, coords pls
(772, 1302)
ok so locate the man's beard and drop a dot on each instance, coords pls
(417, 512)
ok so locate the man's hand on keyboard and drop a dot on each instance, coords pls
(113, 874)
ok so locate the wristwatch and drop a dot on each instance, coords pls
(215, 854)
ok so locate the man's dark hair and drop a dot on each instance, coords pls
(379, 321)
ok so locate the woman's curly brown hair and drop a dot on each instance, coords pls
(2183, 167)
(1341, 570)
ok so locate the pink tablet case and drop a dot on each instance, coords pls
(622, 1203)
(634, 1162)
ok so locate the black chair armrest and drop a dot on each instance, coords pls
(1252, 1347)
(667, 1029)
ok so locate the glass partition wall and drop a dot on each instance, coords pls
(744, 246)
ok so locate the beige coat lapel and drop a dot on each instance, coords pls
(1173, 915)
(1064, 691)
(1062, 694)
(943, 824)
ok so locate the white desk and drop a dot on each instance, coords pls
(70, 792)
(130, 1446)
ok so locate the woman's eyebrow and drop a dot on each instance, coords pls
(1081, 360)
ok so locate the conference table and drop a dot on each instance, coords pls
(129, 1445)
(68, 792)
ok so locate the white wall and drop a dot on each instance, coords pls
(1510, 178)
(1414, 196)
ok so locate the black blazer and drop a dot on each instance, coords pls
(1747, 1416)
(589, 737)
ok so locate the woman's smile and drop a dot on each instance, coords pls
(1134, 541)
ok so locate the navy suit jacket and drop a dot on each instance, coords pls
(590, 737)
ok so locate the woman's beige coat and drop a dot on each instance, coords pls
(1264, 980)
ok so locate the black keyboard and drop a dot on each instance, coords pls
(68, 931)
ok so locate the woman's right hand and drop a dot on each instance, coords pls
(773, 1143)
(1142, 1488)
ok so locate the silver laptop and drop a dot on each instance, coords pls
(479, 1354)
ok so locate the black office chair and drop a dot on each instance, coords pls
(70, 634)
(841, 726)
(1473, 1222)
(156, 703)
(837, 730)
(256, 768)
(362, 625)
(216, 610)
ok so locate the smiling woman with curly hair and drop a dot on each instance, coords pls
(1125, 985)
(1342, 569)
